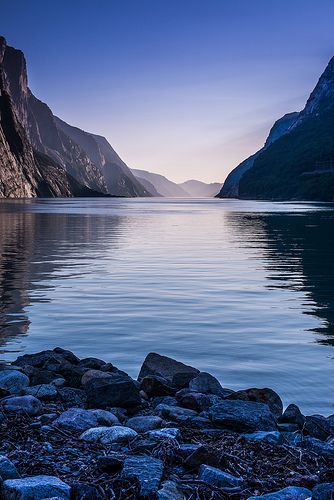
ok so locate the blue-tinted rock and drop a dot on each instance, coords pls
(13, 381)
(317, 426)
(208, 384)
(177, 374)
(266, 396)
(243, 416)
(324, 491)
(170, 491)
(272, 437)
(289, 493)
(35, 488)
(144, 423)
(8, 469)
(24, 405)
(293, 415)
(218, 478)
(76, 420)
(108, 435)
(147, 470)
(316, 446)
(105, 417)
(44, 392)
(165, 433)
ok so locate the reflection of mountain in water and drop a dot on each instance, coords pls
(36, 249)
(298, 249)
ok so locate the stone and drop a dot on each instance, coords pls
(82, 491)
(144, 423)
(13, 381)
(317, 426)
(59, 382)
(164, 433)
(176, 373)
(39, 376)
(186, 450)
(201, 455)
(44, 392)
(286, 427)
(243, 416)
(195, 422)
(266, 396)
(147, 470)
(46, 418)
(272, 437)
(166, 400)
(109, 463)
(35, 488)
(173, 412)
(170, 491)
(76, 420)
(67, 355)
(218, 478)
(108, 435)
(293, 415)
(72, 395)
(7, 469)
(154, 386)
(317, 446)
(208, 384)
(111, 389)
(71, 373)
(92, 363)
(289, 493)
(28, 405)
(323, 491)
(105, 417)
(194, 401)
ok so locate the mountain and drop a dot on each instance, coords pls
(198, 189)
(299, 164)
(161, 184)
(42, 155)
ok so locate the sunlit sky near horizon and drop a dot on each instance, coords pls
(185, 88)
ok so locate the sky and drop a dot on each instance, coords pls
(185, 88)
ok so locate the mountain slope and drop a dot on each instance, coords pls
(198, 189)
(161, 184)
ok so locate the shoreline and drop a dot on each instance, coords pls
(83, 429)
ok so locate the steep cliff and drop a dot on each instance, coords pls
(162, 185)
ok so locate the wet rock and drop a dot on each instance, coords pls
(286, 427)
(35, 488)
(170, 491)
(185, 450)
(108, 435)
(46, 418)
(266, 396)
(13, 381)
(143, 446)
(144, 423)
(208, 384)
(38, 376)
(147, 470)
(82, 491)
(44, 392)
(105, 417)
(8, 469)
(28, 405)
(153, 386)
(195, 422)
(111, 389)
(316, 446)
(272, 437)
(201, 455)
(243, 416)
(92, 363)
(324, 491)
(194, 401)
(176, 373)
(72, 395)
(109, 463)
(76, 420)
(293, 415)
(218, 477)
(317, 426)
(59, 383)
(164, 433)
(165, 400)
(71, 373)
(289, 493)
(174, 412)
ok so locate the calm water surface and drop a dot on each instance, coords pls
(244, 290)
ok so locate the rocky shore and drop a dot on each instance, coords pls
(83, 429)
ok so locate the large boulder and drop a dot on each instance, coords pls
(111, 389)
(193, 400)
(108, 435)
(177, 374)
(24, 405)
(243, 416)
(289, 493)
(13, 381)
(56, 357)
(208, 384)
(35, 488)
(45, 392)
(154, 386)
(266, 396)
(76, 420)
(147, 470)
(293, 415)
(317, 426)
(144, 423)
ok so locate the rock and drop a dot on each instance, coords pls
(105, 417)
(120, 413)
(169, 491)
(165, 400)
(153, 386)
(266, 396)
(289, 493)
(108, 435)
(35, 488)
(46, 418)
(7, 469)
(218, 477)
(60, 382)
(72, 395)
(39, 376)
(164, 433)
(317, 426)
(194, 401)
(76, 420)
(92, 363)
(324, 491)
(67, 355)
(28, 405)
(176, 373)
(147, 470)
(243, 416)
(286, 427)
(173, 412)
(195, 422)
(315, 445)
(144, 423)
(186, 450)
(109, 463)
(111, 389)
(71, 373)
(208, 384)
(293, 415)
(82, 491)
(13, 381)
(272, 437)
(201, 455)
(44, 392)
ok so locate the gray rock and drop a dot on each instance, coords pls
(147, 470)
(289, 493)
(218, 477)
(272, 437)
(28, 405)
(176, 373)
(76, 420)
(186, 450)
(173, 412)
(317, 426)
(169, 491)
(266, 396)
(324, 491)
(40, 359)
(144, 423)
(106, 418)
(108, 435)
(208, 384)
(164, 433)
(13, 381)
(59, 382)
(202, 455)
(153, 386)
(35, 488)
(72, 395)
(193, 400)
(293, 415)
(82, 491)
(315, 445)
(92, 363)
(109, 463)
(166, 400)
(46, 418)
(44, 392)
(110, 389)
(8, 469)
(243, 416)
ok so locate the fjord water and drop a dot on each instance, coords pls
(241, 289)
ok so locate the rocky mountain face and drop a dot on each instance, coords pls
(43, 156)
(198, 189)
(162, 185)
(299, 163)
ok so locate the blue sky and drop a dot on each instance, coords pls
(184, 88)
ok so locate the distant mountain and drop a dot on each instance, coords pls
(299, 163)
(198, 189)
(161, 184)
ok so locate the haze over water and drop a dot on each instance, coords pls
(241, 289)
